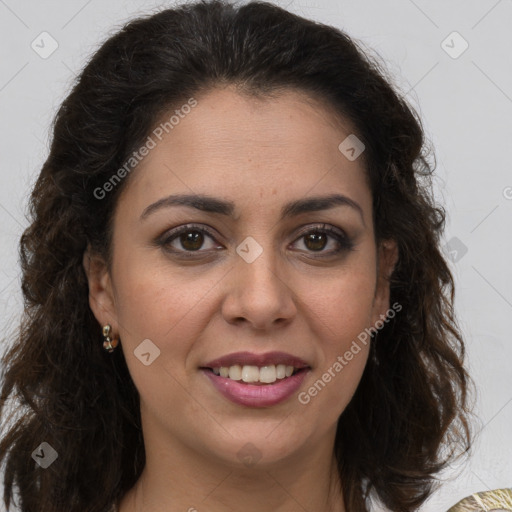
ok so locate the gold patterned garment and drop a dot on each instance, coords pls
(499, 500)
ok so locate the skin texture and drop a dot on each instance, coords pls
(260, 154)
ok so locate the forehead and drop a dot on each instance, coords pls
(236, 146)
(231, 124)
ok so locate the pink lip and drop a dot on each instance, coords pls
(248, 358)
(261, 395)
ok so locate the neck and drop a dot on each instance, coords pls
(181, 478)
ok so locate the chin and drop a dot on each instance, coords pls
(257, 448)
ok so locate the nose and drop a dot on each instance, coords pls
(260, 293)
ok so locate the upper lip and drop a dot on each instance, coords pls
(252, 359)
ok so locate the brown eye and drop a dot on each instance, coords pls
(191, 240)
(188, 239)
(315, 241)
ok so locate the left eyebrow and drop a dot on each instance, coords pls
(222, 207)
(313, 204)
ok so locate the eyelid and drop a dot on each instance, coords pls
(321, 226)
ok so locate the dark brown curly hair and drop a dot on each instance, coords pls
(410, 415)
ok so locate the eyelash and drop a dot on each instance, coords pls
(345, 243)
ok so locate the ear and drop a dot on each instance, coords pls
(101, 296)
(386, 261)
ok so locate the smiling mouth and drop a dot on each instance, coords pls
(257, 375)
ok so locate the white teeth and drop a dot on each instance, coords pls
(249, 373)
(268, 374)
(280, 371)
(235, 372)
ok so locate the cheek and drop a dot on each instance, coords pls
(153, 301)
(340, 315)
(340, 303)
(153, 305)
(339, 309)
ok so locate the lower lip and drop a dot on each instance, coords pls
(262, 395)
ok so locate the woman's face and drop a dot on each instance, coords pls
(261, 281)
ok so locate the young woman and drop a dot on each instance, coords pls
(235, 296)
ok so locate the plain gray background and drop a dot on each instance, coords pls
(464, 96)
